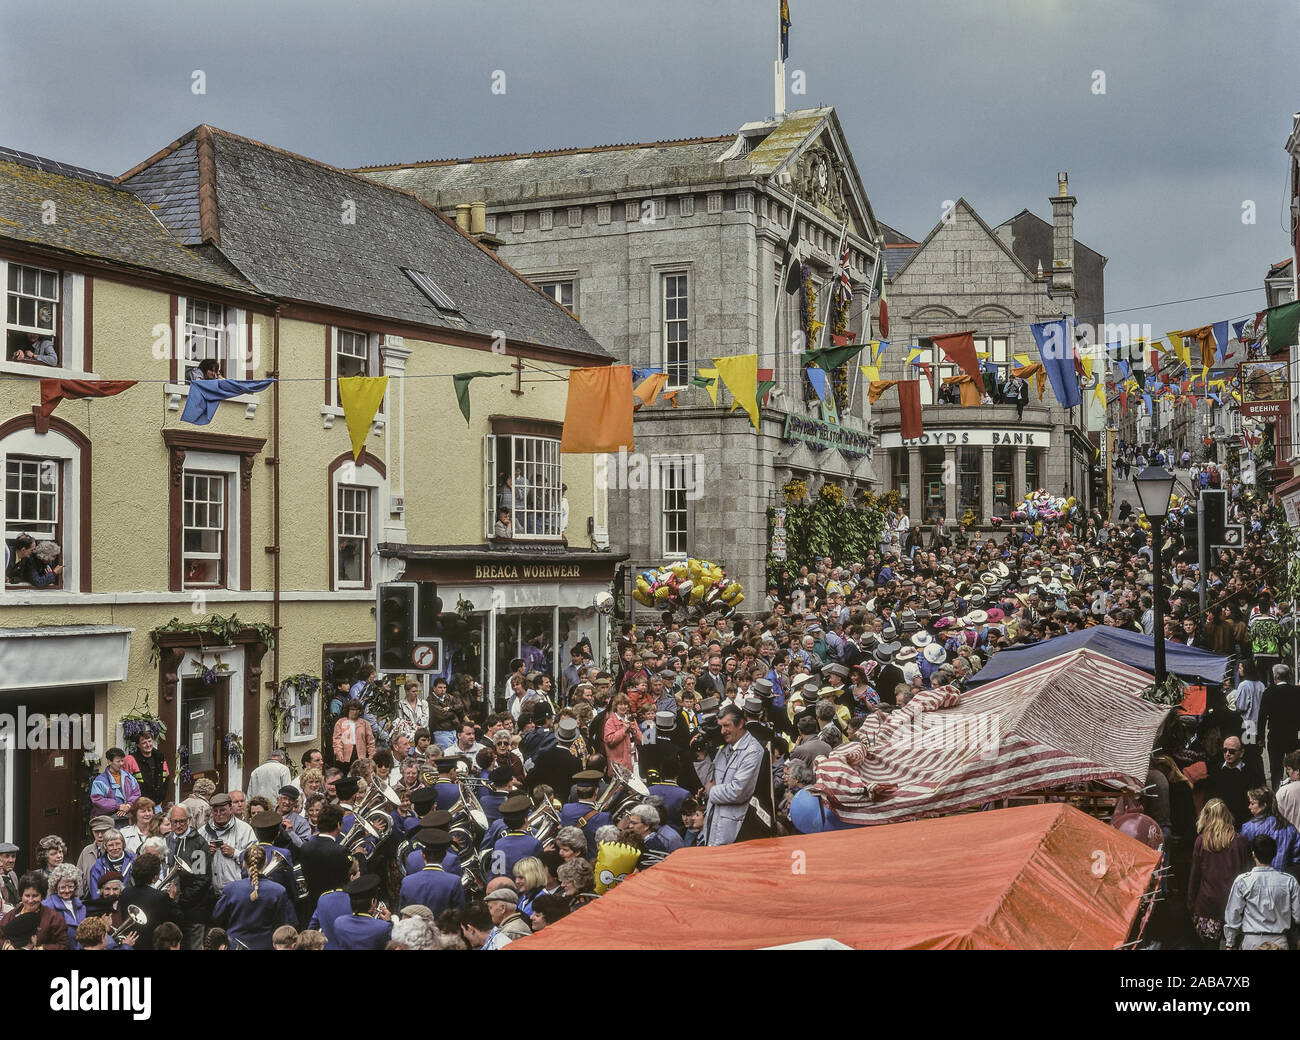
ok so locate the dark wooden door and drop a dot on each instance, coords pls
(55, 806)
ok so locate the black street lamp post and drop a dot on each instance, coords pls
(1155, 485)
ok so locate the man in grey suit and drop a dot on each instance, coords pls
(735, 777)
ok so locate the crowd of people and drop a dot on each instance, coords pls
(466, 818)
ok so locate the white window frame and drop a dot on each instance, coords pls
(372, 358)
(999, 350)
(545, 521)
(216, 493)
(673, 502)
(52, 445)
(554, 288)
(941, 370)
(683, 364)
(359, 476)
(69, 327)
(215, 463)
(235, 363)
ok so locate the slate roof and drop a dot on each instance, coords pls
(95, 219)
(897, 255)
(280, 218)
(613, 168)
(521, 177)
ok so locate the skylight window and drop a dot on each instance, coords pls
(430, 289)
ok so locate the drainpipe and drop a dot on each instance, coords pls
(275, 533)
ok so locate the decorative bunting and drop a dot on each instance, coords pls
(959, 348)
(1220, 329)
(670, 396)
(1021, 359)
(647, 390)
(915, 353)
(639, 375)
(878, 387)
(739, 374)
(1055, 350)
(707, 379)
(360, 397)
(828, 359)
(1037, 371)
(872, 372)
(1282, 326)
(598, 411)
(55, 390)
(881, 345)
(205, 394)
(818, 380)
(909, 409)
(460, 384)
(970, 390)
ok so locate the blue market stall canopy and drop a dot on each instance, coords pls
(1130, 648)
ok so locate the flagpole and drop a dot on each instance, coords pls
(866, 330)
(779, 70)
(834, 286)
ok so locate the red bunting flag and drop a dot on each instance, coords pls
(55, 390)
(959, 348)
(909, 405)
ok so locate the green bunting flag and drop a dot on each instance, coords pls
(830, 358)
(461, 381)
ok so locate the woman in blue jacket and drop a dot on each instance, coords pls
(252, 908)
(65, 880)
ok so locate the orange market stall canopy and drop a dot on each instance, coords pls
(1034, 877)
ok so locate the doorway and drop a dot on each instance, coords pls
(203, 726)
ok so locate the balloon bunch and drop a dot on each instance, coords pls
(1039, 505)
(689, 588)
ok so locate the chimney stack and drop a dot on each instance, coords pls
(462, 216)
(1063, 244)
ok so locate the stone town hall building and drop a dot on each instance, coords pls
(671, 254)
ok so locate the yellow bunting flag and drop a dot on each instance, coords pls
(916, 353)
(872, 372)
(1021, 359)
(360, 397)
(708, 378)
(739, 374)
(1099, 393)
(875, 351)
(598, 411)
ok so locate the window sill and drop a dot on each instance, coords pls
(330, 412)
(36, 370)
(177, 392)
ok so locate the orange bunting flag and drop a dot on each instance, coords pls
(647, 391)
(1037, 371)
(878, 387)
(671, 397)
(971, 395)
(598, 412)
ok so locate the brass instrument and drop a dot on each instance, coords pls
(274, 862)
(377, 803)
(544, 824)
(623, 792)
(135, 919)
(179, 866)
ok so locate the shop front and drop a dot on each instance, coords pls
(501, 607)
(54, 685)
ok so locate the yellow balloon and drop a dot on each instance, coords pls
(643, 596)
(614, 862)
(662, 593)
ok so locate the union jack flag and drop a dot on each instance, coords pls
(843, 287)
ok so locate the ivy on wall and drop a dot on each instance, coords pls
(828, 527)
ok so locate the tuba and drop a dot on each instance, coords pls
(624, 791)
(373, 808)
(544, 824)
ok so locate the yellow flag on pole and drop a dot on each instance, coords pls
(739, 374)
(360, 398)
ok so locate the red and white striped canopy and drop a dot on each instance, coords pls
(1074, 718)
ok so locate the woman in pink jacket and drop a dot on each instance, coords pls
(353, 737)
(622, 734)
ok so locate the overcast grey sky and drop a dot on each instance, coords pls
(985, 99)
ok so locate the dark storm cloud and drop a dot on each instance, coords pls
(986, 100)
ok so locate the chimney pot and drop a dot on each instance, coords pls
(462, 216)
(477, 218)
(1063, 184)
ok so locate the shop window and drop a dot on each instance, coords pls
(968, 481)
(900, 459)
(932, 469)
(1004, 460)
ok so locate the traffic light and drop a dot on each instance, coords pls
(428, 609)
(396, 626)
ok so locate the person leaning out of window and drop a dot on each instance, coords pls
(39, 349)
(33, 564)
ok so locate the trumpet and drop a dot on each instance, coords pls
(135, 919)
